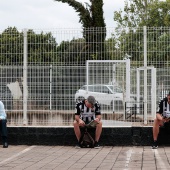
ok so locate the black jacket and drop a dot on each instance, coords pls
(162, 106)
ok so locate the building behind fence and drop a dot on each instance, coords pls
(44, 72)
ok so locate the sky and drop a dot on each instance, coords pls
(48, 14)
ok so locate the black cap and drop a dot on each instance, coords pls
(91, 100)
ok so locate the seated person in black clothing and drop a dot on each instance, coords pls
(86, 111)
(161, 118)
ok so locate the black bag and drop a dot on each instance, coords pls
(86, 140)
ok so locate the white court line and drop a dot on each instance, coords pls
(20, 153)
(160, 159)
(128, 157)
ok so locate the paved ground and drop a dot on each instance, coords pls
(69, 158)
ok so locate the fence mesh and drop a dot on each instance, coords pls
(56, 71)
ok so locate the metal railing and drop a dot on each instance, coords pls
(42, 70)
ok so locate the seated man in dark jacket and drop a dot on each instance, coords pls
(161, 118)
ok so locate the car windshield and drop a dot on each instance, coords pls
(116, 89)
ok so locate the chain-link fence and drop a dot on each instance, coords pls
(44, 72)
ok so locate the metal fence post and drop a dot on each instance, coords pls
(50, 84)
(145, 74)
(127, 83)
(25, 90)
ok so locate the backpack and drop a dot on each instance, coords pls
(86, 140)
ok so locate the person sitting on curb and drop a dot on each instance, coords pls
(86, 111)
(3, 127)
(161, 119)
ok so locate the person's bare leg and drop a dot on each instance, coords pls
(98, 131)
(77, 130)
(156, 125)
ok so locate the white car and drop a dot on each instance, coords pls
(104, 94)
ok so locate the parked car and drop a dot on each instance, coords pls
(104, 94)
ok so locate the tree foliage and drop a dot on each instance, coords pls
(11, 46)
(134, 12)
(94, 28)
(41, 47)
(71, 52)
(143, 13)
(153, 14)
(90, 15)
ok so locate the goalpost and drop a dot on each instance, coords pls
(119, 73)
(150, 90)
(113, 72)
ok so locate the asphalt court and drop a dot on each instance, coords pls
(68, 158)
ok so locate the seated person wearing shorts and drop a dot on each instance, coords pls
(161, 118)
(86, 111)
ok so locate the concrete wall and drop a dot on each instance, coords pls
(111, 136)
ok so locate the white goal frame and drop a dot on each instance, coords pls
(127, 62)
(153, 92)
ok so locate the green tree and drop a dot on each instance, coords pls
(137, 13)
(71, 52)
(11, 46)
(41, 47)
(158, 14)
(142, 13)
(153, 14)
(94, 28)
(112, 52)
